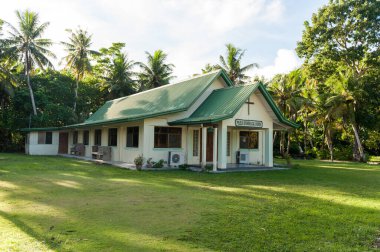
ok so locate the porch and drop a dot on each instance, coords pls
(226, 147)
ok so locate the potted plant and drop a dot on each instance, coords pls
(139, 161)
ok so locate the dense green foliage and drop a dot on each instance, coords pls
(334, 96)
(320, 206)
(341, 49)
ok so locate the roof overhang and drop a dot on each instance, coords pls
(282, 121)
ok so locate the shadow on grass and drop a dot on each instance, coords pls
(110, 208)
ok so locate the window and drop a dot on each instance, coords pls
(75, 137)
(167, 137)
(133, 137)
(249, 139)
(228, 143)
(195, 143)
(85, 137)
(98, 137)
(112, 137)
(45, 137)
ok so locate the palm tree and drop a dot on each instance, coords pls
(119, 79)
(78, 57)
(231, 64)
(343, 103)
(286, 90)
(27, 45)
(209, 68)
(156, 72)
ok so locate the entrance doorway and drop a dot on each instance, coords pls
(209, 146)
(63, 146)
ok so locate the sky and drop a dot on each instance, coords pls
(192, 32)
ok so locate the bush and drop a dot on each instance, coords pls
(149, 163)
(208, 167)
(159, 164)
(323, 154)
(139, 161)
(288, 159)
(311, 153)
(183, 167)
(294, 150)
(343, 153)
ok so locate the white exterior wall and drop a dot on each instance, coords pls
(259, 112)
(42, 149)
(161, 153)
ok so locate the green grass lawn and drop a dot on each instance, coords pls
(53, 203)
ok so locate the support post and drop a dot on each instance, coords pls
(222, 145)
(148, 134)
(268, 147)
(215, 151)
(204, 139)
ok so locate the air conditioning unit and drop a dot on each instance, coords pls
(176, 158)
(244, 157)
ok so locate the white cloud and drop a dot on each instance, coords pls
(285, 61)
(274, 11)
(193, 33)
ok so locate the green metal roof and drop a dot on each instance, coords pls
(224, 103)
(41, 129)
(221, 104)
(167, 99)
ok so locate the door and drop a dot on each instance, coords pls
(63, 146)
(209, 146)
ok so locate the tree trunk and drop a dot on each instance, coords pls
(358, 152)
(330, 144)
(288, 145)
(76, 93)
(298, 143)
(311, 143)
(282, 143)
(305, 136)
(28, 82)
(274, 137)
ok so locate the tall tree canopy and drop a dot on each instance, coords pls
(117, 71)
(79, 55)
(343, 32)
(27, 45)
(156, 72)
(231, 63)
(344, 37)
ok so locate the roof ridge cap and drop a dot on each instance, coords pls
(237, 86)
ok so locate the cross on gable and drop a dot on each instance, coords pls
(248, 102)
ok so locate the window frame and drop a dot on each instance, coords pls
(86, 137)
(167, 134)
(135, 134)
(43, 139)
(249, 145)
(75, 137)
(112, 142)
(196, 142)
(98, 134)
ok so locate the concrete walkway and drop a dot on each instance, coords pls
(195, 168)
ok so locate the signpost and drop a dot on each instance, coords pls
(248, 123)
